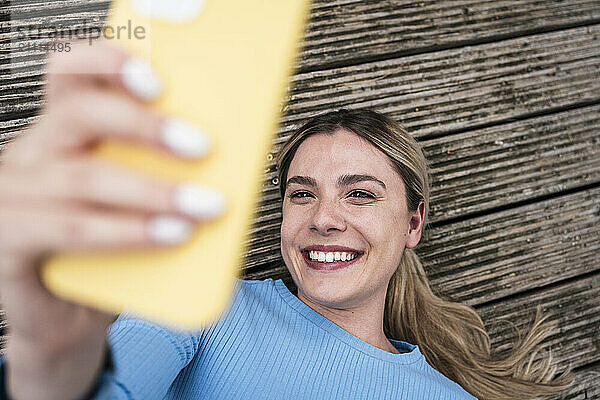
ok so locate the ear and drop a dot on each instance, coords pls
(415, 226)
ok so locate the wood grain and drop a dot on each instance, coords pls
(586, 387)
(348, 31)
(446, 91)
(574, 308)
(504, 253)
(344, 32)
(431, 93)
(485, 168)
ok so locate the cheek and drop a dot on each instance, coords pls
(385, 231)
(291, 223)
(380, 219)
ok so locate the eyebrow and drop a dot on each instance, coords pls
(344, 180)
(302, 180)
(347, 180)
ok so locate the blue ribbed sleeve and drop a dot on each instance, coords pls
(147, 357)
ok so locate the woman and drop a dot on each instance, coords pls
(363, 324)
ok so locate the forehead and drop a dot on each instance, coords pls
(342, 152)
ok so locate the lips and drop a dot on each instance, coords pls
(331, 248)
(330, 257)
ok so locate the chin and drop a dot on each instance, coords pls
(329, 289)
(329, 284)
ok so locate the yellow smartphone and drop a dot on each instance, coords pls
(225, 65)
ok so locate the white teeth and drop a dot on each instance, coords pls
(322, 256)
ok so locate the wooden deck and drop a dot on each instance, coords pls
(505, 96)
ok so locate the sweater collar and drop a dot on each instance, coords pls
(409, 353)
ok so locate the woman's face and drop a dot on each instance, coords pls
(345, 220)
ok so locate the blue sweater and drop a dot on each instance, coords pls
(268, 345)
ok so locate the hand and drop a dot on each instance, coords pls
(57, 197)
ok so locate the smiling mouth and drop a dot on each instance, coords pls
(329, 260)
(331, 256)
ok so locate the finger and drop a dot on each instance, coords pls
(101, 64)
(76, 122)
(102, 183)
(92, 116)
(25, 230)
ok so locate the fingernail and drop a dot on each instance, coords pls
(169, 230)
(170, 11)
(140, 78)
(184, 139)
(198, 201)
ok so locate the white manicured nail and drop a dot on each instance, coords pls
(171, 11)
(169, 230)
(140, 78)
(198, 201)
(184, 139)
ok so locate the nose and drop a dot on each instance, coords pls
(327, 218)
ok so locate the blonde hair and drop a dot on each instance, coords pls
(451, 335)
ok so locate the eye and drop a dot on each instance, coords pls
(360, 194)
(300, 194)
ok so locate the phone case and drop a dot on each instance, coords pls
(225, 65)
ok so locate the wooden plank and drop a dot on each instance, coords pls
(504, 253)
(26, 22)
(22, 87)
(492, 256)
(22, 9)
(453, 89)
(347, 31)
(13, 128)
(481, 169)
(573, 306)
(586, 387)
(503, 89)
(446, 91)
